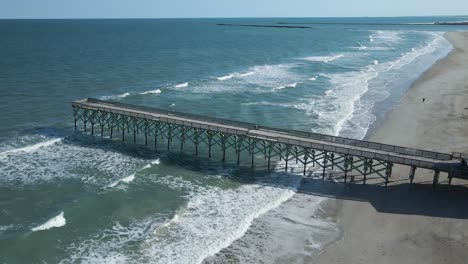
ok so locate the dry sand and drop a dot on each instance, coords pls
(410, 223)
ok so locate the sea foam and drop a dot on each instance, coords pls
(56, 221)
(256, 79)
(51, 160)
(182, 85)
(246, 74)
(211, 212)
(227, 77)
(325, 59)
(32, 148)
(131, 177)
(347, 104)
(118, 96)
(292, 85)
(157, 91)
(212, 219)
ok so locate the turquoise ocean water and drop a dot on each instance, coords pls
(73, 198)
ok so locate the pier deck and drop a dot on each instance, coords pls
(327, 151)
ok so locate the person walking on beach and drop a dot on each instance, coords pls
(424, 99)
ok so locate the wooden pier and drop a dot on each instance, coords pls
(329, 153)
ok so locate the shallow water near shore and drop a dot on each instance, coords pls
(67, 197)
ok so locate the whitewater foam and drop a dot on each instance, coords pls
(257, 79)
(128, 179)
(292, 85)
(57, 221)
(157, 91)
(48, 162)
(292, 225)
(386, 36)
(212, 219)
(182, 85)
(346, 110)
(131, 177)
(325, 59)
(118, 96)
(5, 228)
(246, 74)
(204, 220)
(227, 77)
(361, 47)
(32, 148)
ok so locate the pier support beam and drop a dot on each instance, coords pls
(209, 145)
(388, 172)
(325, 161)
(196, 142)
(306, 157)
(238, 152)
(412, 172)
(223, 146)
(436, 179)
(346, 165)
(269, 156)
(367, 167)
(252, 152)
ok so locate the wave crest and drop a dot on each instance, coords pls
(57, 221)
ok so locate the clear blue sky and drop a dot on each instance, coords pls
(227, 8)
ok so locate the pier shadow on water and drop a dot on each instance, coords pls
(449, 201)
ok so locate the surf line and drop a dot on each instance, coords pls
(32, 148)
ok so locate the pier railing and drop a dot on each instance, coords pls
(325, 151)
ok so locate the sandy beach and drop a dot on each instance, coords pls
(410, 223)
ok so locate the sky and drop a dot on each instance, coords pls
(227, 8)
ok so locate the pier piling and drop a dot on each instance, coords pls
(331, 154)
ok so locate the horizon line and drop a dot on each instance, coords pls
(234, 17)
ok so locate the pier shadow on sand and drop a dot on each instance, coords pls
(448, 201)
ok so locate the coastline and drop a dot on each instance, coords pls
(410, 223)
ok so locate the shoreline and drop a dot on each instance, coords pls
(406, 223)
(306, 231)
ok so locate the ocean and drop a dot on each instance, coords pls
(68, 197)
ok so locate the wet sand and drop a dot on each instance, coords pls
(410, 223)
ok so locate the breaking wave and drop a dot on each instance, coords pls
(57, 221)
(157, 91)
(325, 59)
(292, 85)
(119, 96)
(182, 85)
